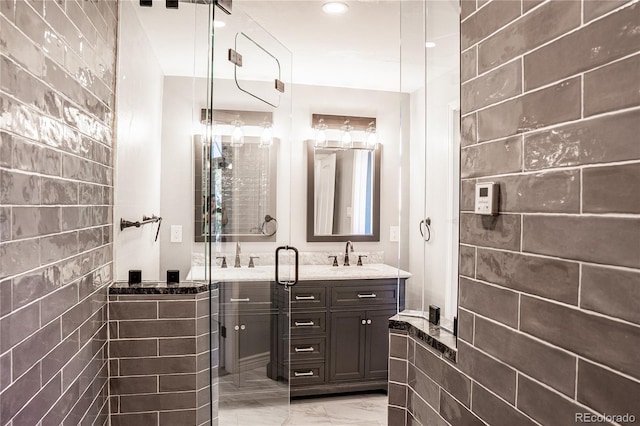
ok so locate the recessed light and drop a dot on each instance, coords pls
(429, 44)
(335, 8)
(219, 24)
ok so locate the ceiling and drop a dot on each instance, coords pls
(363, 48)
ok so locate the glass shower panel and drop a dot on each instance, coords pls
(248, 211)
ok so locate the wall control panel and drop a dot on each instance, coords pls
(487, 198)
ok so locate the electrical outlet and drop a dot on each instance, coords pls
(394, 234)
(176, 233)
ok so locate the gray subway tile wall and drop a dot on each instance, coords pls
(548, 317)
(56, 97)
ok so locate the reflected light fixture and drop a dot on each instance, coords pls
(219, 24)
(347, 138)
(335, 8)
(371, 137)
(321, 134)
(430, 44)
(237, 134)
(266, 138)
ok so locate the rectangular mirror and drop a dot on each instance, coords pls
(343, 194)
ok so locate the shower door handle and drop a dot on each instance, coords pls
(427, 227)
(287, 283)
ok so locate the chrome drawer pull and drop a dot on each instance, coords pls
(305, 324)
(309, 349)
(305, 298)
(246, 299)
(308, 373)
(367, 296)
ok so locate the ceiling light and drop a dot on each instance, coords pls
(219, 24)
(430, 44)
(335, 8)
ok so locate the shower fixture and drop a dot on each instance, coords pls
(124, 224)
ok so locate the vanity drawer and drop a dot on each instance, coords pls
(307, 374)
(307, 349)
(364, 295)
(308, 322)
(249, 295)
(308, 297)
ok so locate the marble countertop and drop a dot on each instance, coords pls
(420, 328)
(157, 287)
(305, 273)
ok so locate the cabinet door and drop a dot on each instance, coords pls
(377, 343)
(347, 345)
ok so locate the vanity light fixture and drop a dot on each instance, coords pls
(371, 139)
(321, 134)
(266, 138)
(335, 8)
(347, 137)
(237, 134)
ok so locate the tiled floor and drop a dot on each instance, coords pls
(369, 409)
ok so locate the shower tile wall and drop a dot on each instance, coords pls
(550, 288)
(56, 98)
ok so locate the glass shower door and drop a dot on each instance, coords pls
(246, 205)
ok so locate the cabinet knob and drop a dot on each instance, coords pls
(237, 327)
(242, 327)
(364, 322)
(368, 321)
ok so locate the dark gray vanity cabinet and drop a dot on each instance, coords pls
(339, 334)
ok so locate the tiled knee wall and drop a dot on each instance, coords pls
(56, 107)
(549, 324)
(159, 350)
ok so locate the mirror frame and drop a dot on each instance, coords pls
(311, 237)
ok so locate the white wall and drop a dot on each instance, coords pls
(177, 175)
(137, 183)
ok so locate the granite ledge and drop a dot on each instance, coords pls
(421, 329)
(156, 287)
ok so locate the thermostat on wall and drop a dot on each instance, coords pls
(487, 201)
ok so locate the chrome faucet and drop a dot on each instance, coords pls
(346, 252)
(236, 264)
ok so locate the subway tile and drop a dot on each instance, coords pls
(443, 373)
(495, 411)
(58, 247)
(177, 309)
(35, 158)
(158, 328)
(469, 130)
(467, 7)
(64, 405)
(6, 290)
(76, 217)
(611, 189)
(163, 365)
(455, 413)
(467, 258)
(89, 239)
(492, 374)
(19, 188)
(468, 64)
(133, 385)
(549, 365)
(465, 325)
(545, 406)
(53, 362)
(422, 412)
(600, 140)
(138, 419)
(612, 87)
(397, 346)
(582, 238)
(595, 44)
(6, 148)
(177, 382)
(34, 221)
(550, 278)
(487, 20)
(612, 292)
(594, 337)
(172, 418)
(493, 302)
(90, 194)
(397, 370)
(132, 348)
(596, 8)
(168, 401)
(8, 8)
(35, 409)
(5, 223)
(83, 367)
(499, 84)
(397, 395)
(422, 385)
(527, 5)
(33, 349)
(19, 48)
(82, 311)
(58, 191)
(32, 286)
(530, 31)
(502, 231)
(606, 391)
(20, 392)
(19, 325)
(492, 158)
(5, 370)
(551, 105)
(177, 346)
(133, 310)
(81, 20)
(545, 192)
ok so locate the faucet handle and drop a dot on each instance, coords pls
(360, 256)
(224, 261)
(251, 265)
(335, 260)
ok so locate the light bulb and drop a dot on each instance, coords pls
(237, 134)
(347, 139)
(266, 139)
(321, 134)
(335, 8)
